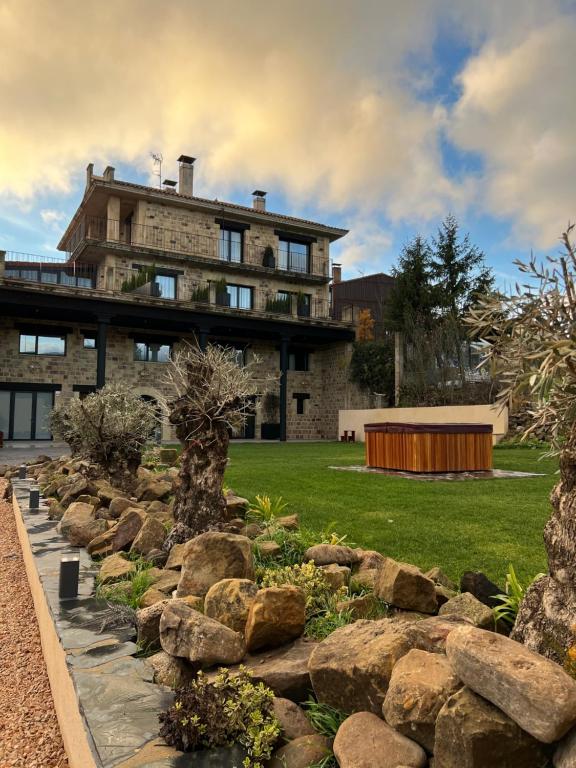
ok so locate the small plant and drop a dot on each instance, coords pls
(201, 293)
(140, 278)
(266, 509)
(324, 718)
(323, 624)
(230, 710)
(293, 544)
(329, 536)
(307, 577)
(511, 601)
(128, 591)
(279, 305)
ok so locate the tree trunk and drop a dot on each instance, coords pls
(547, 617)
(200, 505)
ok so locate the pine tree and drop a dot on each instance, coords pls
(412, 298)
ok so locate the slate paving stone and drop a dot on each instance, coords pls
(492, 474)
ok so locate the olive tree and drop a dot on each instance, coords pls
(532, 338)
(210, 397)
(108, 428)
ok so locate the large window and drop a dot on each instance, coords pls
(152, 351)
(165, 286)
(294, 256)
(36, 344)
(230, 246)
(240, 296)
(53, 275)
(298, 360)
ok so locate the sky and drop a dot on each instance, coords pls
(378, 116)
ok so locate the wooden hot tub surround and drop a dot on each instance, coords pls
(429, 447)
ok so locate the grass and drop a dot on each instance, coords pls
(461, 525)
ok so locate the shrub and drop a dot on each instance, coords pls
(229, 710)
(310, 579)
(511, 601)
(323, 624)
(265, 509)
(293, 545)
(138, 279)
(129, 590)
(324, 718)
(201, 293)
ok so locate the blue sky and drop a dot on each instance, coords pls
(372, 116)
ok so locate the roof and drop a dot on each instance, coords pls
(367, 278)
(219, 206)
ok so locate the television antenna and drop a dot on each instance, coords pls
(157, 159)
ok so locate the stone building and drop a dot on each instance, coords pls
(149, 269)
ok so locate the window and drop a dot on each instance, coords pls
(89, 341)
(163, 283)
(230, 245)
(293, 255)
(303, 301)
(152, 351)
(33, 344)
(281, 303)
(165, 286)
(298, 360)
(240, 296)
(54, 276)
(300, 398)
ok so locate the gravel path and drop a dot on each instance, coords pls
(29, 732)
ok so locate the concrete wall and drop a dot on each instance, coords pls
(450, 414)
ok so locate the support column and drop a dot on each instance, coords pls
(283, 385)
(101, 339)
(203, 338)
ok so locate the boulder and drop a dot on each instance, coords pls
(79, 525)
(236, 506)
(150, 536)
(443, 594)
(252, 530)
(148, 624)
(211, 557)
(55, 509)
(420, 684)
(120, 536)
(284, 670)
(368, 560)
(268, 550)
(465, 604)
(150, 597)
(288, 522)
(364, 579)
(365, 741)
(69, 492)
(363, 607)
(277, 615)
(118, 505)
(160, 511)
(163, 580)
(471, 733)
(157, 557)
(535, 692)
(170, 670)
(405, 586)
(292, 718)
(565, 753)
(337, 576)
(430, 634)
(153, 490)
(228, 601)
(327, 554)
(440, 579)
(106, 492)
(176, 557)
(303, 752)
(115, 567)
(479, 585)
(189, 634)
(351, 669)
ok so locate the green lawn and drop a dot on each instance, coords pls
(469, 525)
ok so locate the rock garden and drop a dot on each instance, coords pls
(273, 645)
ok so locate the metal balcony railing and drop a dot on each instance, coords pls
(99, 229)
(49, 270)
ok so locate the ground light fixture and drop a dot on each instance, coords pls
(34, 499)
(69, 576)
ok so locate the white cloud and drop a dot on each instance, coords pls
(51, 216)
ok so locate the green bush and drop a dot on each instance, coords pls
(201, 294)
(265, 509)
(229, 710)
(140, 278)
(307, 577)
(129, 590)
(293, 545)
(511, 601)
(323, 624)
(279, 305)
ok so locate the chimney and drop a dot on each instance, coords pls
(186, 175)
(108, 174)
(169, 186)
(336, 273)
(259, 201)
(89, 174)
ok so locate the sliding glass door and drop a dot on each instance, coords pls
(25, 415)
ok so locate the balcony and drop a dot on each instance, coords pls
(92, 230)
(145, 285)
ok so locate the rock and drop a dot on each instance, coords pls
(68, 493)
(405, 586)
(236, 525)
(153, 490)
(337, 576)
(170, 670)
(118, 505)
(55, 509)
(268, 550)
(164, 580)
(85, 498)
(368, 559)
(284, 670)
(176, 557)
(148, 624)
(471, 733)
(465, 604)
(160, 511)
(252, 530)
(288, 522)
(443, 594)
(440, 579)
(292, 718)
(277, 615)
(364, 579)
(168, 456)
(236, 506)
(364, 607)
(120, 536)
(115, 567)
(157, 557)
(327, 554)
(351, 669)
(150, 536)
(535, 692)
(228, 601)
(303, 752)
(79, 525)
(420, 684)
(106, 492)
(211, 557)
(143, 473)
(365, 741)
(481, 587)
(150, 597)
(565, 754)
(189, 634)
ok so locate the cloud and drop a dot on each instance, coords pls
(517, 109)
(51, 216)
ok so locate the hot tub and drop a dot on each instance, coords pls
(429, 447)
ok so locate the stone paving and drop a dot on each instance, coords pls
(493, 474)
